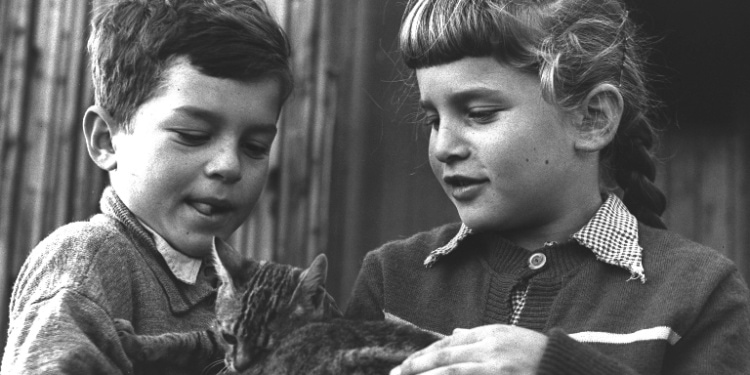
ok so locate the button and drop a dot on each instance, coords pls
(537, 261)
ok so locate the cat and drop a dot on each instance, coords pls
(277, 319)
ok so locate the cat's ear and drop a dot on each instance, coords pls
(231, 265)
(310, 295)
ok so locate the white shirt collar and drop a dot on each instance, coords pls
(183, 267)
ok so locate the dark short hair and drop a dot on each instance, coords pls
(133, 43)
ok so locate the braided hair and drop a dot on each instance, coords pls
(573, 46)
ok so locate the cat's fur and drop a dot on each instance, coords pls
(278, 319)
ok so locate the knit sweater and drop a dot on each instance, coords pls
(691, 316)
(81, 277)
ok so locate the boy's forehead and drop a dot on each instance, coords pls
(185, 92)
(181, 73)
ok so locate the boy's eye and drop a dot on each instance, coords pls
(256, 150)
(192, 137)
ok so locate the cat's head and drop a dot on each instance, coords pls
(258, 301)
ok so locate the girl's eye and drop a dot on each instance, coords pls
(484, 116)
(432, 122)
(191, 137)
(256, 150)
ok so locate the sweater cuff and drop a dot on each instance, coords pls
(565, 355)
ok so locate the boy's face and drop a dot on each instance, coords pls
(197, 158)
(504, 156)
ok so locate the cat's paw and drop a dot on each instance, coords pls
(123, 327)
(129, 340)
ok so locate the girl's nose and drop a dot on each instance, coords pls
(225, 164)
(448, 144)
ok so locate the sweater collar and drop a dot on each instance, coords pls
(182, 297)
(611, 234)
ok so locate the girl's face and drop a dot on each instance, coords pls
(504, 156)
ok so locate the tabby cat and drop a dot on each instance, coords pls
(278, 319)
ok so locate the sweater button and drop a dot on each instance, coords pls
(537, 261)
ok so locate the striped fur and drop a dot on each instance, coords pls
(278, 319)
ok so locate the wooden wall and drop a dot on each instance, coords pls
(46, 178)
(705, 176)
(349, 167)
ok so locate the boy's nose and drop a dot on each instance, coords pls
(225, 165)
(447, 143)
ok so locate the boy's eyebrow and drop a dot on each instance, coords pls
(216, 118)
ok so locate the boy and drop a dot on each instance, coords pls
(188, 93)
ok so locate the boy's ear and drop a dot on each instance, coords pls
(601, 112)
(99, 128)
(310, 295)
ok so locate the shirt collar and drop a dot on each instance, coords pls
(611, 234)
(183, 267)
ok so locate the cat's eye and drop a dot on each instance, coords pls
(229, 339)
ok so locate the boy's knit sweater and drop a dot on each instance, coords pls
(691, 316)
(81, 277)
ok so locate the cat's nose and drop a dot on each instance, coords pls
(241, 361)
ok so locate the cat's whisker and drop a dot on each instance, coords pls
(214, 366)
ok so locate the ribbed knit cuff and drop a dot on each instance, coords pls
(564, 355)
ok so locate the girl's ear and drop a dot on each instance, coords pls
(99, 128)
(601, 112)
(310, 295)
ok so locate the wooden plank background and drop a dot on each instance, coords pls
(349, 167)
(46, 178)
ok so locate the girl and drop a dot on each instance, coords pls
(541, 138)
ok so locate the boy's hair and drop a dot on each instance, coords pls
(133, 43)
(572, 46)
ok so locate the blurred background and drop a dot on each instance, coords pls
(349, 167)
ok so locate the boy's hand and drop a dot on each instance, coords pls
(492, 349)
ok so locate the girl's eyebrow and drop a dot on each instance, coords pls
(468, 95)
(464, 96)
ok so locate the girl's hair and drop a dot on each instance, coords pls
(572, 46)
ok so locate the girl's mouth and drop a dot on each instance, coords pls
(463, 188)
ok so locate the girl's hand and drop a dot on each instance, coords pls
(492, 349)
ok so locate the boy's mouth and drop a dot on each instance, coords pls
(210, 206)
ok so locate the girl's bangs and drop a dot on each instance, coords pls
(436, 32)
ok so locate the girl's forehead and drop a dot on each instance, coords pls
(473, 77)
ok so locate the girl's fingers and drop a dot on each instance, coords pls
(460, 336)
(446, 356)
(457, 369)
(487, 348)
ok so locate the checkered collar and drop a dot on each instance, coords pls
(612, 235)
